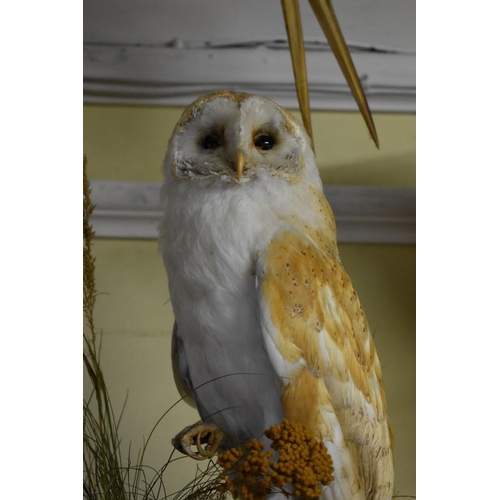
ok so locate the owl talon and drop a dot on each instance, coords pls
(198, 435)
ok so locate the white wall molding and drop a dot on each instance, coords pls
(166, 52)
(364, 214)
(154, 75)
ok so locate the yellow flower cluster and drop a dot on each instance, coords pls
(302, 466)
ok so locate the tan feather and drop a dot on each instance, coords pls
(319, 328)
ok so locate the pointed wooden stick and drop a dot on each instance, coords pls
(327, 19)
(291, 13)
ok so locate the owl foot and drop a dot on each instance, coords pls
(198, 435)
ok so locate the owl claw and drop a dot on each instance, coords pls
(198, 435)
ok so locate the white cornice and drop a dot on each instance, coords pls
(363, 214)
(166, 52)
(152, 75)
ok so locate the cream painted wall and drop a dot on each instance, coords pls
(134, 313)
(129, 143)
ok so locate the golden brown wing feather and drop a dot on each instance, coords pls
(318, 339)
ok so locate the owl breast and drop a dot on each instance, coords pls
(211, 241)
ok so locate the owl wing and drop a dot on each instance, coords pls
(180, 367)
(318, 340)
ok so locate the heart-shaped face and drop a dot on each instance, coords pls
(231, 136)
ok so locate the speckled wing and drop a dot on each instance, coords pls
(319, 342)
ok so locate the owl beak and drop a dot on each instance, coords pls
(239, 163)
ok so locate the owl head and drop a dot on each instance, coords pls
(232, 137)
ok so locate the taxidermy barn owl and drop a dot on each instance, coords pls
(268, 324)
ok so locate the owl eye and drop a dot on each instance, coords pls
(264, 142)
(211, 141)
